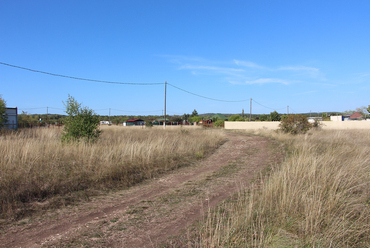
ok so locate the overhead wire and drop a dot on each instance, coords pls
(266, 106)
(205, 97)
(122, 83)
(77, 78)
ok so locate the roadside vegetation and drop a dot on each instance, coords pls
(318, 197)
(36, 167)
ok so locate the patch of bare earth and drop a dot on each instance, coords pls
(147, 214)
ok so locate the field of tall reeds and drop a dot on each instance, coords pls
(35, 165)
(318, 197)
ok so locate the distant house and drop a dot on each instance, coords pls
(356, 116)
(161, 121)
(105, 123)
(134, 122)
(219, 117)
(12, 114)
(205, 122)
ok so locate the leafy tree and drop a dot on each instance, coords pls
(219, 123)
(186, 117)
(263, 117)
(349, 112)
(295, 124)
(81, 123)
(368, 109)
(195, 119)
(3, 115)
(175, 118)
(236, 118)
(195, 113)
(274, 116)
(362, 110)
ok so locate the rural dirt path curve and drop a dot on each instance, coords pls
(147, 214)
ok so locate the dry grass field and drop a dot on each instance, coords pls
(36, 169)
(319, 197)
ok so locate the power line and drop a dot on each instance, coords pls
(77, 78)
(213, 99)
(265, 106)
(111, 82)
(293, 111)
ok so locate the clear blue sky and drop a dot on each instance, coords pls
(310, 55)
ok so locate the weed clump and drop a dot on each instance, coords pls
(295, 124)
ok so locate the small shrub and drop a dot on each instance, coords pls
(295, 124)
(219, 123)
(81, 123)
(274, 116)
(149, 124)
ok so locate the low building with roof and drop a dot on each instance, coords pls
(356, 116)
(134, 122)
(219, 117)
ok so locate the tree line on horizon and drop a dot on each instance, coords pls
(28, 120)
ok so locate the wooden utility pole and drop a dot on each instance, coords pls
(165, 98)
(250, 111)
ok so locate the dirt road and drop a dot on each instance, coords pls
(147, 214)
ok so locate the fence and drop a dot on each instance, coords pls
(273, 125)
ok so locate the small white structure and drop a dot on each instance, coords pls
(12, 114)
(336, 118)
(313, 119)
(105, 123)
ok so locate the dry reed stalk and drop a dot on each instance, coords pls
(36, 165)
(318, 198)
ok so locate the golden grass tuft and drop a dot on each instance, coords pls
(35, 165)
(319, 197)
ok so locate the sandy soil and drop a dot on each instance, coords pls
(148, 214)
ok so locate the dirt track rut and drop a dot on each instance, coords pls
(147, 214)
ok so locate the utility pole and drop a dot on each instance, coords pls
(47, 114)
(243, 113)
(109, 116)
(250, 111)
(287, 109)
(165, 98)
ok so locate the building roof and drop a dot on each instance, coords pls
(356, 115)
(133, 120)
(219, 116)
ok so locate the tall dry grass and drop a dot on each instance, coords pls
(319, 197)
(35, 164)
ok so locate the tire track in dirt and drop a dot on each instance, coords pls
(146, 214)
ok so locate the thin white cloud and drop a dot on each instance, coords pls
(248, 64)
(263, 81)
(310, 71)
(221, 70)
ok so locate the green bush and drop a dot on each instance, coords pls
(274, 116)
(263, 117)
(81, 123)
(149, 124)
(219, 123)
(236, 118)
(294, 124)
(3, 116)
